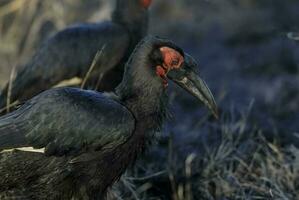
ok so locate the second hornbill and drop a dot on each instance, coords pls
(70, 52)
(99, 135)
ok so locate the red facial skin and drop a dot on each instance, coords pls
(172, 60)
(146, 3)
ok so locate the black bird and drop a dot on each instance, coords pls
(96, 136)
(70, 52)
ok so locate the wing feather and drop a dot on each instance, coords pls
(68, 54)
(67, 121)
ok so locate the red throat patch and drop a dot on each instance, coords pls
(146, 3)
(160, 71)
(172, 59)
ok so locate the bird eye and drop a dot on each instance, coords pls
(175, 62)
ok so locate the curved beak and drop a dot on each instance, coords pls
(187, 77)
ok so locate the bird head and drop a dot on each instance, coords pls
(134, 15)
(145, 3)
(155, 61)
(134, 4)
(171, 63)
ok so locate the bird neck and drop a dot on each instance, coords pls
(142, 91)
(144, 95)
(149, 104)
(132, 18)
(145, 100)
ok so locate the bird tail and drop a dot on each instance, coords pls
(11, 134)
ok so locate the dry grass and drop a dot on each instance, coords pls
(293, 36)
(244, 165)
(94, 63)
(24, 24)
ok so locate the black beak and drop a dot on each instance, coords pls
(188, 78)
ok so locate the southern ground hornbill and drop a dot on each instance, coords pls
(90, 138)
(70, 52)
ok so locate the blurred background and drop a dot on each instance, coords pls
(248, 52)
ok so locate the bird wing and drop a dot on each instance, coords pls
(66, 121)
(70, 53)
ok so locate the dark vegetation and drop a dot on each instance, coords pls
(249, 55)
